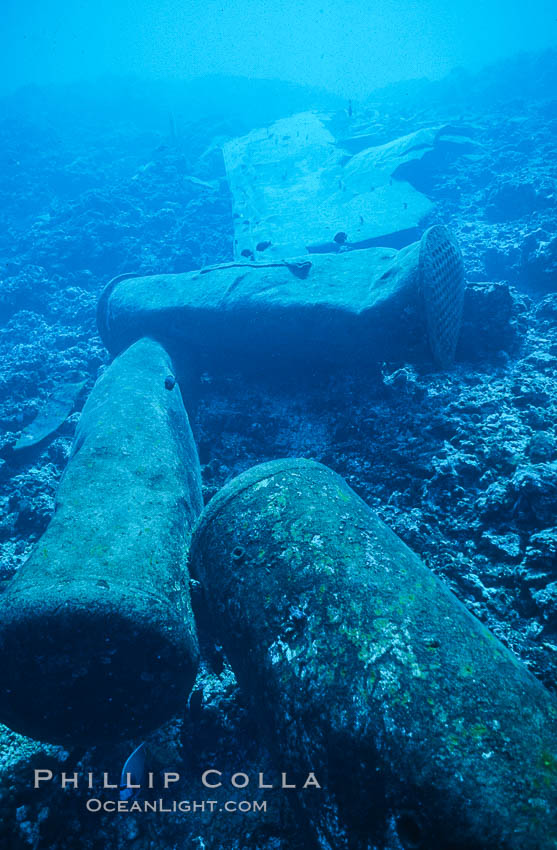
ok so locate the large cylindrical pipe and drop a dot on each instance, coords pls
(350, 308)
(367, 670)
(96, 630)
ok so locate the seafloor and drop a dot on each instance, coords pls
(97, 181)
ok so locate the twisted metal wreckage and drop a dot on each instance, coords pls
(366, 665)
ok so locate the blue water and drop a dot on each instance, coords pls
(113, 118)
(348, 47)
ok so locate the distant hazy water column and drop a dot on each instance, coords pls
(346, 46)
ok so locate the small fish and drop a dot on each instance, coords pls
(132, 774)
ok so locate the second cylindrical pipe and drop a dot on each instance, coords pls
(366, 669)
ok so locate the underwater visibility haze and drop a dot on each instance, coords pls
(349, 47)
(278, 408)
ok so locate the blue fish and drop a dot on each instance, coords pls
(132, 774)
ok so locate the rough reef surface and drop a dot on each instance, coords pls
(462, 465)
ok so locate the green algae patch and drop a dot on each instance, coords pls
(549, 761)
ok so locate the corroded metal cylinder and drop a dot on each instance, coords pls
(366, 669)
(351, 308)
(96, 631)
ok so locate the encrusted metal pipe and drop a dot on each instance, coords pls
(351, 308)
(97, 637)
(363, 667)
